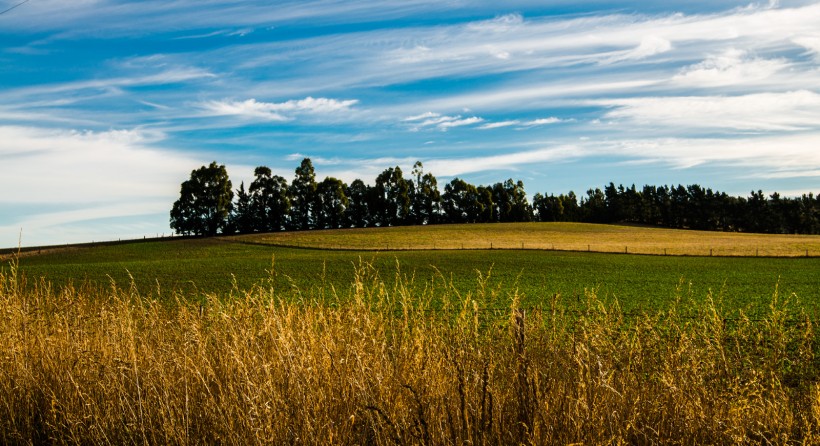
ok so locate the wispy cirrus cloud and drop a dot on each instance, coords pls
(810, 42)
(126, 162)
(521, 124)
(450, 167)
(276, 111)
(796, 155)
(499, 124)
(649, 46)
(164, 77)
(440, 122)
(82, 185)
(223, 32)
(789, 111)
(129, 18)
(520, 44)
(732, 67)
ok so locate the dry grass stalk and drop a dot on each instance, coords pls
(381, 365)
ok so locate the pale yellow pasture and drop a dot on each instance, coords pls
(550, 236)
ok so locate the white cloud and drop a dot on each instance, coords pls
(789, 156)
(368, 169)
(521, 124)
(459, 122)
(314, 105)
(248, 108)
(440, 122)
(451, 167)
(315, 160)
(790, 111)
(168, 76)
(580, 43)
(500, 124)
(100, 175)
(795, 156)
(649, 46)
(543, 121)
(730, 68)
(794, 173)
(538, 95)
(423, 116)
(251, 108)
(809, 42)
(69, 166)
(499, 24)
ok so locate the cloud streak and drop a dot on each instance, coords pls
(273, 111)
(435, 120)
(521, 124)
(109, 174)
(790, 111)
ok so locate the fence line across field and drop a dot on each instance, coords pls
(439, 245)
(695, 251)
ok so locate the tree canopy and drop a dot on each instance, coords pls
(206, 207)
(205, 202)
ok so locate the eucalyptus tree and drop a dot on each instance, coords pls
(242, 218)
(460, 202)
(426, 200)
(484, 209)
(548, 208)
(303, 195)
(270, 200)
(357, 214)
(331, 203)
(205, 202)
(390, 198)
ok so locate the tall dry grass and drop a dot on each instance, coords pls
(387, 365)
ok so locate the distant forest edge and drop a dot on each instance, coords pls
(208, 205)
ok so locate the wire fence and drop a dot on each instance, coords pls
(796, 250)
(604, 248)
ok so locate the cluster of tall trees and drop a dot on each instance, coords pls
(690, 207)
(208, 204)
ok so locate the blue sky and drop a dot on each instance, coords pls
(106, 105)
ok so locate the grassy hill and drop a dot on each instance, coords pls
(240, 340)
(191, 267)
(549, 236)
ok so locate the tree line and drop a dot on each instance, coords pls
(208, 204)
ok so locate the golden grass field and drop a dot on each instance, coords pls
(547, 236)
(378, 364)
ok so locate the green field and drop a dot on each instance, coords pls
(195, 266)
(247, 340)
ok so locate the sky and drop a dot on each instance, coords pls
(106, 106)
